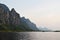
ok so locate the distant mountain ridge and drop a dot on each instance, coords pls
(44, 29)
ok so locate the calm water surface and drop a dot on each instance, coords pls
(29, 35)
(39, 36)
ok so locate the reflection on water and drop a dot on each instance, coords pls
(30, 36)
(8, 36)
(23, 36)
(40, 35)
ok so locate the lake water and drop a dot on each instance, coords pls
(30, 36)
(39, 36)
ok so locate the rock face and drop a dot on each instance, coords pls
(29, 23)
(4, 14)
(12, 18)
(7, 16)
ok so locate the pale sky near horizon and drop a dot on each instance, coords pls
(42, 12)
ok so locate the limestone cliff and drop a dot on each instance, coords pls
(28, 24)
(14, 17)
(4, 14)
(10, 20)
(7, 16)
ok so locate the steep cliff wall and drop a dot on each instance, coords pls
(14, 17)
(4, 14)
(7, 16)
(10, 20)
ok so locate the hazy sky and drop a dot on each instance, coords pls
(42, 12)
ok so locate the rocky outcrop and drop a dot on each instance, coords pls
(7, 16)
(14, 17)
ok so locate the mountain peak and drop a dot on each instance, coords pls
(13, 9)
